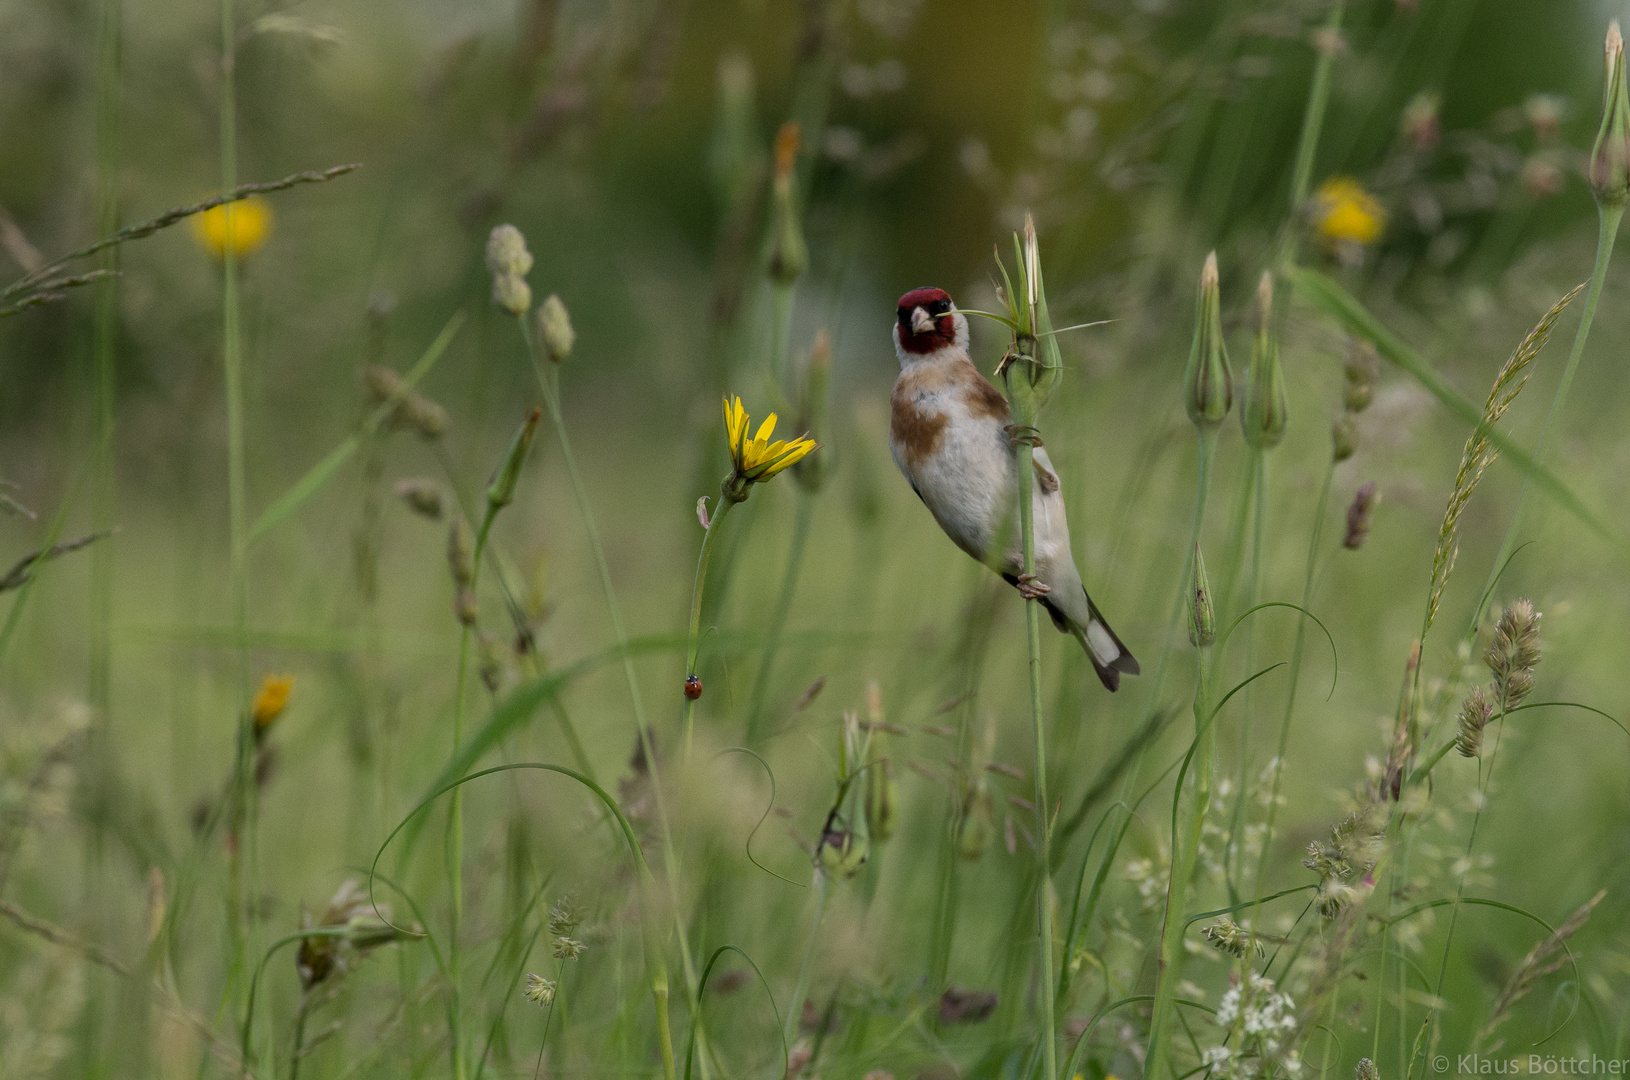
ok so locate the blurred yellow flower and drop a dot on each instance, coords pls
(271, 699)
(240, 227)
(757, 458)
(1345, 213)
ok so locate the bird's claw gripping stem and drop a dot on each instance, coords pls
(1030, 588)
(1023, 435)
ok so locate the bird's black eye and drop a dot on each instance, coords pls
(940, 307)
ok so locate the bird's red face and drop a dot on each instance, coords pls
(926, 320)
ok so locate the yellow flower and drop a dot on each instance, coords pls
(1347, 214)
(271, 699)
(757, 458)
(240, 227)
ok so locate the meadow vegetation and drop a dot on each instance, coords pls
(408, 669)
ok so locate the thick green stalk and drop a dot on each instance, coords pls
(783, 608)
(693, 644)
(1023, 415)
(1608, 219)
(1185, 847)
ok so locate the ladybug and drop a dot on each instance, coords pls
(693, 687)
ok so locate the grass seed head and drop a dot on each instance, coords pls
(1366, 1070)
(555, 329)
(539, 991)
(1358, 517)
(510, 262)
(1360, 367)
(1225, 935)
(1514, 653)
(1475, 712)
(423, 497)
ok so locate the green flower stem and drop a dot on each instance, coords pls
(1318, 100)
(548, 381)
(241, 873)
(693, 644)
(1024, 416)
(783, 608)
(1185, 847)
(1608, 219)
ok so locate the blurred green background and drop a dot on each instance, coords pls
(630, 141)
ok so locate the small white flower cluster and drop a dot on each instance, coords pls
(1261, 1019)
(1149, 875)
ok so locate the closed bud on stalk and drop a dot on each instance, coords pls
(1610, 157)
(461, 562)
(1202, 615)
(555, 329)
(1366, 1070)
(1208, 386)
(882, 792)
(1343, 437)
(789, 256)
(1419, 122)
(1360, 367)
(842, 852)
(501, 489)
(1475, 713)
(811, 471)
(1263, 411)
(976, 823)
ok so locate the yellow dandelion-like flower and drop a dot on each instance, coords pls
(1345, 213)
(240, 227)
(271, 699)
(758, 458)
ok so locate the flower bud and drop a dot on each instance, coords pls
(1343, 437)
(1610, 157)
(501, 489)
(1419, 122)
(842, 852)
(789, 256)
(555, 329)
(1209, 388)
(1366, 1070)
(882, 792)
(1202, 616)
(976, 823)
(1360, 367)
(1263, 409)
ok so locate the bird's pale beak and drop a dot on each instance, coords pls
(921, 321)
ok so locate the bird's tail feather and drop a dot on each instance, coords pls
(1110, 659)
